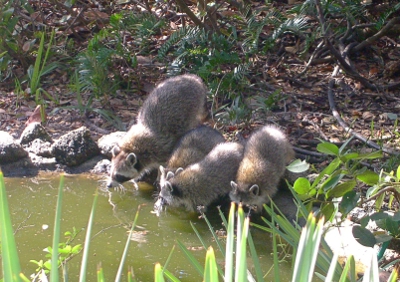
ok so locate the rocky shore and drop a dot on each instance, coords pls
(73, 152)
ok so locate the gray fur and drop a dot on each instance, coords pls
(201, 183)
(194, 146)
(266, 154)
(175, 106)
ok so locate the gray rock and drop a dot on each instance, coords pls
(75, 147)
(43, 163)
(40, 148)
(107, 142)
(102, 167)
(10, 150)
(34, 131)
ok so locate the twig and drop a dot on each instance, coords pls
(316, 127)
(308, 152)
(341, 122)
(384, 190)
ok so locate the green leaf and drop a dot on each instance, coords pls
(370, 156)
(368, 177)
(380, 238)
(341, 189)
(328, 210)
(349, 202)
(396, 216)
(363, 236)
(298, 166)
(349, 156)
(389, 225)
(332, 181)
(398, 173)
(302, 186)
(328, 148)
(379, 201)
(328, 170)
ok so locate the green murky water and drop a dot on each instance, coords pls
(32, 204)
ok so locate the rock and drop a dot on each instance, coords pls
(20, 168)
(34, 131)
(10, 150)
(40, 148)
(107, 142)
(75, 147)
(102, 167)
(43, 163)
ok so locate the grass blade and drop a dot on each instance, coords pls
(170, 276)
(191, 258)
(203, 243)
(100, 273)
(56, 232)
(230, 244)
(254, 257)
(125, 253)
(308, 250)
(210, 269)
(158, 273)
(85, 255)
(239, 228)
(241, 241)
(217, 241)
(9, 255)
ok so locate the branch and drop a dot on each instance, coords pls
(377, 35)
(190, 14)
(342, 62)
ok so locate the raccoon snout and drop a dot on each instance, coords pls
(159, 205)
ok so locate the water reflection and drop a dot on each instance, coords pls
(32, 203)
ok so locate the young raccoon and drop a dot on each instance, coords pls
(194, 146)
(175, 106)
(266, 154)
(201, 183)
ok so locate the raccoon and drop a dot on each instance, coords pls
(193, 147)
(266, 154)
(175, 106)
(202, 183)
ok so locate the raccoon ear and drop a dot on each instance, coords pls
(131, 159)
(162, 169)
(179, 170)
(234, 186)
(115, 150)
(255, 190)
(170, 175)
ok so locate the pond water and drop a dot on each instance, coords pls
(32, 204)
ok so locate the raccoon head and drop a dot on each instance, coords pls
(168, 191)
(124, 167)
(166, 175)
(247, 196)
